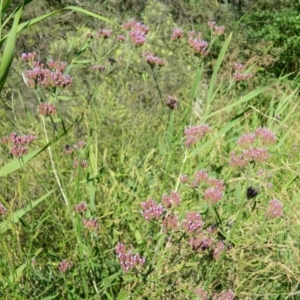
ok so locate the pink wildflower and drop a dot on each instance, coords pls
(151, 210)
(193, 222)
(64, 266)
(275, 209)
(177, 34)
(47, 109)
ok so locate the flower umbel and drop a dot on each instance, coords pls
(128, 260)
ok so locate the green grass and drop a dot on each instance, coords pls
(135, 151)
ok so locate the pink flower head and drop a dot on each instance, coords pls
(219, 30)
(98, 68)
(201, 294)
(30, 57)
(219, 247)
(224, 295)
(193, 222)
(121, 38)
(105, 33)
(128, 260)
(81, 207)
(170, 223)
(200, 177)
(195, 133)
(242, 77)
(213, 195)
(151, 210)
(177, 34)
(184, 178)
(172, 200)
(137, 32)
(238, 66)
(246, 140)
(275, 209)
(2, 209)
(91, 224)
(172, 103)
(201, 242)
(255, 154)
(211, 24)
(265, 135)
(154, 60)
(64, 266)
(199, 46)
(50, 78)
(47, 109)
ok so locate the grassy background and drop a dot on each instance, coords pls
(135, 150)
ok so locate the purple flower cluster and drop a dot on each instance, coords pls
(172, 103)
(70, 149)
(171, 200)
(47, 109)
(238, 75)
(128, 260)
(250, 150)
(81, 207)
(50, 78)
(137, 32)
(151, 210)
(154, 60)
(193, 222)
(29, 57)
(224, 295)
(104, 33)
(216, 30)
(177, 34)
(91, 224)
(2, 209)
(170, 223)
(195, 41)
(20, 143)
(193, 134)
(64, 266)
(275, 209)
(215, 189)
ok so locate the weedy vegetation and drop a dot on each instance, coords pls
(144, 158)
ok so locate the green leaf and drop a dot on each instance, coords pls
(5, 225)
(9, 49)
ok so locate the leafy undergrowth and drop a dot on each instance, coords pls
(144, 168)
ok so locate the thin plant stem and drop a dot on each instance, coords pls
(53, 165)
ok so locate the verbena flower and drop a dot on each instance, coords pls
(275, 209)
(154, 60)
(30, 57)
(172, 103)
(20, 143)
(98, 68)
(137, 32)
(224, 295)
(195, 133)
(171, 200)
(192, 223)
(91, 224)
(218, 249)
(50, 78)
(47, 109)
(213, 195)
(184, 178)
(170, 223)
(128, 260)
(2, 209)
(81, 207)
(105, 33)
(64, 266)
(151, 210)
(177, 34)
(199, 46)
(201, 293)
